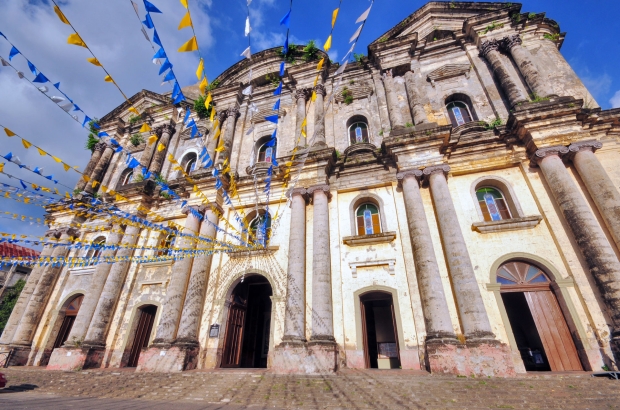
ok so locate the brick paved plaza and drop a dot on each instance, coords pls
(235, 389)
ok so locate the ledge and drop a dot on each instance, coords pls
(269, 250)
(360, 240)
(389, 262)
(86, 270)
(527, 222)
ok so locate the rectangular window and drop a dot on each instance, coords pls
(458, 115)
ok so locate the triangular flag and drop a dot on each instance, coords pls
(356, 34)
(76, 40)
(319, 66)
(108, 79)
(56, 159)
(133, 110)
(328, 43)
(65, 166)
(26, 144)
(208, 101)
(14, 51)
(200, 69)
(186, 21)
(161, 147)
(334, 16)
(94, 61)
(150, 7)
(41, 152)
(184, 3)
(246, 53)
(203, 85)
(247, 26)
(9, 133)
(60, 15)
(145, 128)
(286, 20)
(152, 139)
(40, 78)
(191, 45)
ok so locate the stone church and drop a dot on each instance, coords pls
(454, 208)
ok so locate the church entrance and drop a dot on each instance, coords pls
(144, 327)
(246, 343)
(67, 322)
(538, 324)
(381, 350)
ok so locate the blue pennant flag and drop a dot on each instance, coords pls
(218, 184)
(86, 121)
(285, 48)
(272, 118)
(13, 53)
(274, 162)
(176, 89)
(187, 113)
(96, 126)
(133, 163)
(150, 7)
(209, 163)
(8, 156)
(194, 130)
(271, 142)
(169, 76)
(32, 68)
(76, 108)
(112, 140)
(282, 69)
(37, 170)
(180, 98)
(276, 106)
(22, 182)
(203, 152)
(166, 65)
(160, 54)
(278, 90)
(57, 85)
(156, 39)
(286, 20)
(40, 78)
(148, 22)
(3, 36)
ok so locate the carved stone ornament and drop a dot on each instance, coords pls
(487, 46)
(303, 192)
(100, 146)
(416, 173)
(69, 231)
(585, 145)
(199, 208)
(320, 89)
(221, 116)
(301, 93)
(540, 154)
(233, 112)
(321, 187)
(511, 41)
(428, 171)
(449, 71)
(52, 233)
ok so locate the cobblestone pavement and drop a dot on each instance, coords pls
(350, 389)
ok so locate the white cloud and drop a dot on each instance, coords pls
(598, 85)
(615, 100)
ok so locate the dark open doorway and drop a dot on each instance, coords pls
(381, 350)
(67, 322)
(246, 343)
(144, 327)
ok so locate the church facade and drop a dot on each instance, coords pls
(455, 208)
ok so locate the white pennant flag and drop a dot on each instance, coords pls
(247, 26)
(20, 74)
(253, 108)
(249, 1)
(146, 36)
(364, 15)
(341, 69)
(246, 53)
(346, 56)
(66, 106)
(356, 35)
(247, 90)
(3, 61)
(43, 89)
(57, 99)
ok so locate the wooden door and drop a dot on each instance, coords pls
(553, 330)
(233, 341)
(143, 333)
(365, 335)
(64, 331)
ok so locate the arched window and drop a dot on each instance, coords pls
(368, 221)
(127, 177)
(260, 229)
(267, 150)
(459, 110)
(357, 127)
(95, 250)
(520, 273)
(189, 162)
(493, 204)
(165, 244)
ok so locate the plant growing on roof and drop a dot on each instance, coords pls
(536, 98)
(492, 123)
(553, 37)
(134, 119)
(273, 79)
(311, 52)
(359, 58)
(201, 110)
(289, 56)
(93, 139)
(136, 139)
(492, 27)
(347, 96)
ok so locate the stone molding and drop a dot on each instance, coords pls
(513, 224)
(214, 207)
(222, 115)
(448, 71)
(428, 171)
(389, 262)
(363, 240)
(320, 89)
(542, 153)
(575, 147)
(416, 173)
(166, 128)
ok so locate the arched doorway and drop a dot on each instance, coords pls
(144, 326)
(379, 331)
(246, 342)
(71, 311)
(538, 324)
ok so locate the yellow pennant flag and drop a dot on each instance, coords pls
(56, 159)
(212, 114)
(76, 40)
(220, 148)
(86, 178)
(217, 133)
(161, 147)
(328, 43)
(41, 152)
(314, 94)
(203, 85)
(191, 45)
(66, 167)
(108, 79)
(303, 126)
(45, 189)
(9, 133)
(95, 183)
(334, 16)
(2, 169)
(184, 3)
(67, 194)
(208, 101)
(152, 139)
(133, 110)
(60, 15)
(26, 144)
(94, 61)
(186, 21)
(104, 188)
(145, 128)
(319, 66)
(201, 66)
(118, 197)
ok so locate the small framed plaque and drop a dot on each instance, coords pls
(214, 330)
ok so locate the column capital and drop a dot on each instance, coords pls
(511, 41)
(297, 191)
(100, 146)
(434, 169)
(167, 128)
(542, 153)
(415, 173)
(320, 187)
(487, 46)
(575, 147)
(301, 93)
(69, 231)
(320, 89)
(52, 233)
(233, 112)
(221, 116)
(198, 208)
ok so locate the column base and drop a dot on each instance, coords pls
(305, 358)
(76, 358)
(176, 358)
(478, 358)
(18, 357)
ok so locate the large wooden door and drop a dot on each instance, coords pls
(553, 330)
(233, 341)
(143, 333)
(67, 323)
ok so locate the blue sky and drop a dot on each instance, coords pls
(112, 30)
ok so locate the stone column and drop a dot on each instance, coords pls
(167, 131)
(300, 97)
(474, 319)
(294, 317)
(322, 316)
(89, 303)
(319, 115)
(396, 115)
(98, 328)
(594, 246)
(149, 149)
(599, 185)
(524, 61)
(489, 49)
(415, 99)
(24, 296)
(229, 134)
(94, 159)
(175, 292)
(194, 298)
(434, 304)
(100, 168)
(41, 294)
